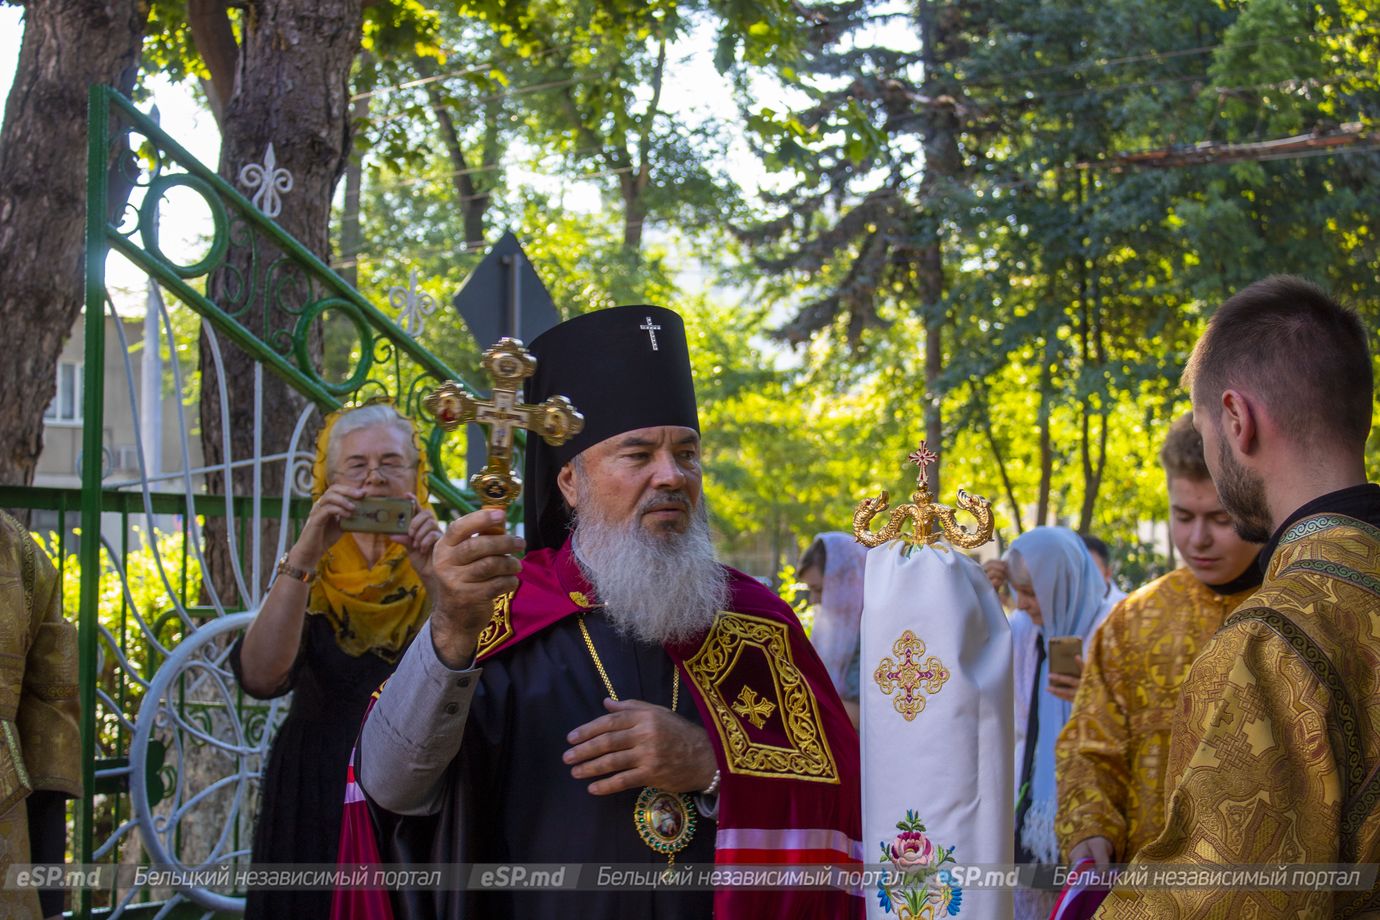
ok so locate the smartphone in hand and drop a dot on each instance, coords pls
(1063, 652)
(379, 515)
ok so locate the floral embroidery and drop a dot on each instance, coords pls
(919, 888)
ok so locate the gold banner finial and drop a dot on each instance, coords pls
(923, 512)
(556, 420)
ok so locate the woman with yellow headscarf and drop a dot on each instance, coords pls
(342, 609)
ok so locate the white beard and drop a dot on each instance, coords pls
(658, 588)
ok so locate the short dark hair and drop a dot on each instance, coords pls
(1182, 453)
(813, 557)
(1304, 354)
(1098, 547)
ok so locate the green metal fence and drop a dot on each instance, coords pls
(146, 602)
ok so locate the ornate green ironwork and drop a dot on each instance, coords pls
(255, 285)
(271, 274)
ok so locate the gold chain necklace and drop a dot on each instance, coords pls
(664, 820)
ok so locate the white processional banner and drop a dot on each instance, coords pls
(937, 733)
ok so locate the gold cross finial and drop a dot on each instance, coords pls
(924, 513)
(922, 457)
(508, 363)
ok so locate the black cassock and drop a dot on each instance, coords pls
(510, 797)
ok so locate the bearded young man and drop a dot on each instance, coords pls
(617, 696)
(1276, 748)
(1110, 759)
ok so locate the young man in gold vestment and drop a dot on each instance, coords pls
(1110, 759)
(1276, 745)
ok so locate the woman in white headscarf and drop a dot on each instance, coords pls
(832, 568)
(1059, 592)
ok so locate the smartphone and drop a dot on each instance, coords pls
(379, 515)
(1062, 652)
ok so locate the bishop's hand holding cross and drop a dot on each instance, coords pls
(475, 559)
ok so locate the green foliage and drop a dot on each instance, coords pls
(168, 47)
(1070, 292)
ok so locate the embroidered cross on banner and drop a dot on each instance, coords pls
(755, 710)
(651, 329)
(556, 420)
(910, 675)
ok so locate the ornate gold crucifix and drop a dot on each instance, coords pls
(508, 363)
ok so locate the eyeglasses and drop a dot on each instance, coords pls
(358, 472)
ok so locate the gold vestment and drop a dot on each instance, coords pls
(1277, 739)
(40, 743)
(1112, 755)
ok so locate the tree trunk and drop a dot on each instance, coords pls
(68, 45)
(634, 208)
(293, 93)
(473, 203)
(986, 422)
(1090, 299)
(931, 290)
(942, 159)
(1092, 467)
(634, 183)
(1043, 424)
(215, 42)
(351, 236)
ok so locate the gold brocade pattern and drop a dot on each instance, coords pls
(38, 666)
(1263, 746)
(789, 744)
(1111, 757)
(40, 743)
(500, 628)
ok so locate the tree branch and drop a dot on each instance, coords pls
(214, 38)
(472, 204)
(644, 143)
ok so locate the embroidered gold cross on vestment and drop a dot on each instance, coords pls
(755, 710)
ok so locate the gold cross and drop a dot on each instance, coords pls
(755, 710)
(922, 457)
(556, 420)
(909, 675)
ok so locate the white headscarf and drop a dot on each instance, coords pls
(837, 617)
(1071, 592)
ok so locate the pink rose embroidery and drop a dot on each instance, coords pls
(912, 850)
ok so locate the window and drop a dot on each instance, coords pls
(66, 404)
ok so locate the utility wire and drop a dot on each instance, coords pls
(1025, 100)
(463, 72)
(1147, 56)
(462, 249)
(1156, 56)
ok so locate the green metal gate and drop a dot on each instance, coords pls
(169, 744)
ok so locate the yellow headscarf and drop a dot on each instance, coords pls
(372, 609)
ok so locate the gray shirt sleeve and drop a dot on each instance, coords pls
(414, 730)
